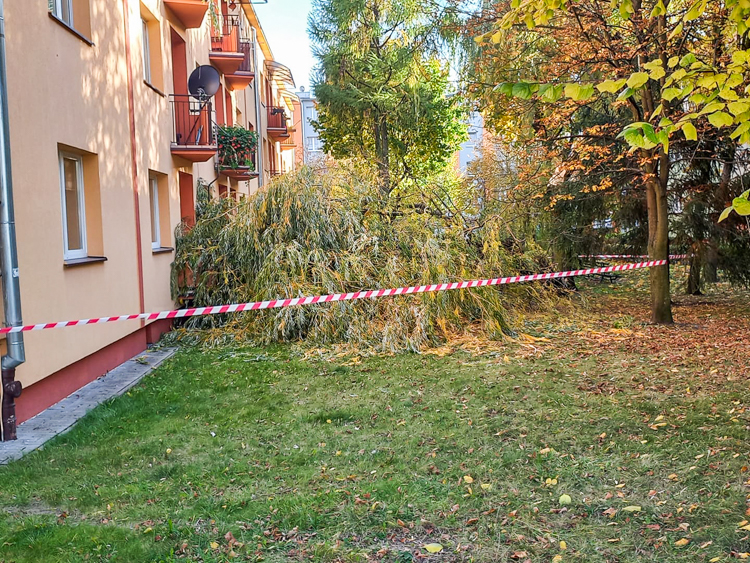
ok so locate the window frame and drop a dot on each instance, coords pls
(82, 252)
(153, 195)
(147, 76)
(57, 11)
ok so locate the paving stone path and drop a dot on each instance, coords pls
(61, 417)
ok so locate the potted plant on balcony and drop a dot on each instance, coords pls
(236, 148)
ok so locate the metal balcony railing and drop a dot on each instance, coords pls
(226, 36)
(248, 63)
(192, 122)
(277, 118)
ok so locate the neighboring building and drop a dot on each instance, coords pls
(107, 150)
(471, 149)
(309, 141)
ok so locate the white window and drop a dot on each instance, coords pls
(73, 206)
(146, 53)
(153, 194)
(62, 9)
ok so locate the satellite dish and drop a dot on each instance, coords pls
(204, 82)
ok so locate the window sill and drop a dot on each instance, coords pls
(162, 250)
(78, 34)
(83, 261)
(154, 88)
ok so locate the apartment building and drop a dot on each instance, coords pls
(310, 145)
(107, 150)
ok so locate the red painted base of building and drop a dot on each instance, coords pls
(59, 385)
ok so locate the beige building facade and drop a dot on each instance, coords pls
(107, 150)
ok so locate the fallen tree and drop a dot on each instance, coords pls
(312, 233)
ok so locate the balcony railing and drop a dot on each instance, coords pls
(193, 135)
(192, 121)
(277, 118)
(248, 63)
(226, 37)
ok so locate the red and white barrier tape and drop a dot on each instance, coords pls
(370, 294)
(629, 256)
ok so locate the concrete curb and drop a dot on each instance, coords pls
(62, 416)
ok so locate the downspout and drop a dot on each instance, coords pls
(15, 354)
(134, 157)
(258, 119)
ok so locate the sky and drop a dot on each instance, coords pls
(285, 25)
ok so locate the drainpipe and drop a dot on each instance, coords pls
(258, 119)
(15, 354)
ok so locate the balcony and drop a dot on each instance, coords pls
(189, 13)
(237, 152)
(277, 123)
(193, 136)
(246, 72)
(225, 52)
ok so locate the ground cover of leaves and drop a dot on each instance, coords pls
(593, 436)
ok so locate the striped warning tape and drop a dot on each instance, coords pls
(373, 293)
(628, 256)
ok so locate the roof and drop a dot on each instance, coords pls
(280, 73)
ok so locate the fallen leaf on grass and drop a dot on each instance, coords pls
(557, 558)
(565, 499)
(468, 479)
(563, 545)
(632, 509)
(214, 545)
(433, 547)
(682, 542)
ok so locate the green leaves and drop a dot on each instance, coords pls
(720, 119)
(579, 92)
(641, 135)
(522, 90)
(637, 80)
(611, 86)
(690, 132)
(550, 92)
(740, 205)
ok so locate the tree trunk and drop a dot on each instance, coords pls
(381, 152)
(693, 286)
(711, 267)
(658, 249)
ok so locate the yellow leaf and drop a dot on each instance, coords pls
(557, 558)
(637, 79)
(486, 486)
(746, 528)
(632, 509)
(468, 479)
(214, 545)
(563, 545)
(682, 542)
(743, 523)
(565, 499)
(497, 37)
(714, 560)
(658, 418)
(433, 547)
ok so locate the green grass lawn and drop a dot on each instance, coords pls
(264, 455)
